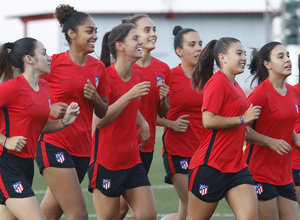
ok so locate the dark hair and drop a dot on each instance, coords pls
(204, 67)
(12, 54)
(118, 33)
(69, 18)
(133, 19)
(256, 66)
(178, 33)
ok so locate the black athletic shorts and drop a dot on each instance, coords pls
(16, 176)
(267, 191)
(113, 183)
(296, 177)
(175, 164)
(48, 155)
(210, 185)
(146, 158)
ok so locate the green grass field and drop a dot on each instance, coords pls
(165, 195)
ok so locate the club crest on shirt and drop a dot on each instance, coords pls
(18, 187)
(259, 189)
(296, 106)
(106, 183)
(184, 164)
(60, 157)
(159, 79)
(97, 81)
(203, 189)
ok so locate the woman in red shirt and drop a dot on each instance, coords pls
(75, 76)
(217, 169)
(271, 136)
(116, 169)
(183, 123)
(25, 107)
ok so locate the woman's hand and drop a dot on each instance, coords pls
(58, 110)
(71, 114)
(252, 113)
(16, 143)
(138, 90)
(180, 125)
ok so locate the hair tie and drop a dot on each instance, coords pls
(9, 45)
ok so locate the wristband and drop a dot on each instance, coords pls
(63, 123)
(242, 120)
(4, 141)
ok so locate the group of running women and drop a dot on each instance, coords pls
(48, 111)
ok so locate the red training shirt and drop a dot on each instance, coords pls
(295, 151)
(222, 148)
(154, 73)
(67, 81)
(184, 100)
(24, 112)
(116, 145)
(277, 120)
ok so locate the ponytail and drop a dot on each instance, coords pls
(105, 54)
(118, 33)
(253, 67)
(257, 67)
(12, 55)
(6, 69)
(204, 67)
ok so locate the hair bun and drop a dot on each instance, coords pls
(176, 30)
(62, 12)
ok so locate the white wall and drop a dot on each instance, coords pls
(248, 29)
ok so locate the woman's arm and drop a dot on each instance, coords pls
(144, 131)
(279, 146)
(296, 139)
(55, 125)
(180, 125)
(115, 109)
(100, 104)
(15, 143)
(163, 106)
(213, 121)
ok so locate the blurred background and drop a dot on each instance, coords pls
(253, 22)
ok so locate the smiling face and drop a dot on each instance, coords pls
(280, 62)
(234, 61)
(147, 30)
(191, 48)
(132, 45)
(85, 36)
(41, 60)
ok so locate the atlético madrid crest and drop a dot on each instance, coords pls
(184, 164)
(18, 187)
(60, 157)
(96, 81)
(159, 79)
(259, 188)
(106, 183)
(203, 189)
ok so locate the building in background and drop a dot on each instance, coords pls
(252, 25)
(290, 14)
